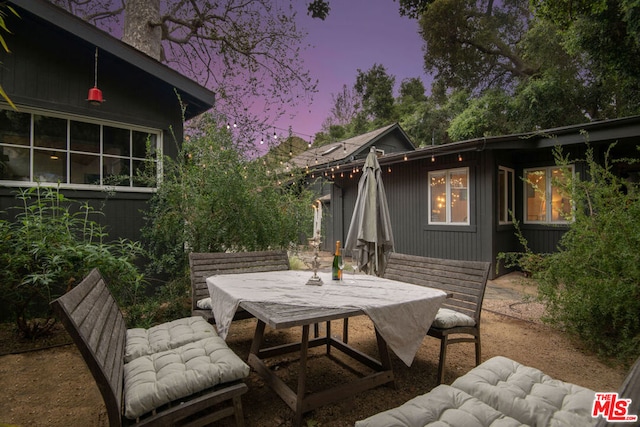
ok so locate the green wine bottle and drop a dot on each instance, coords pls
(336, 272)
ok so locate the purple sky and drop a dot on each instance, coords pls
(356, 34)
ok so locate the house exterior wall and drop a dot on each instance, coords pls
(406, 187)
(52, 71)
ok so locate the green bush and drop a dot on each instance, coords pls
(52, 244)
(592, 284)
(213, 199)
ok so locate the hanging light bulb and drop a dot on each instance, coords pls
(261, 140)
(433, 158)
(459, 157)
(405, 157)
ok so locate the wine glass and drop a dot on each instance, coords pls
(353, 254)
(341, 263)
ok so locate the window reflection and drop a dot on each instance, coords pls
(49, 132)
(448, 197)
(35, 147)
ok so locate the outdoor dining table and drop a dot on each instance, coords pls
(400, 312)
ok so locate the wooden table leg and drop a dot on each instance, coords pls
(258, 337)
(385, 357)
(302, 376)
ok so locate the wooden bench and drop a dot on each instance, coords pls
(93, 319)
(205, 264)
(465, 281)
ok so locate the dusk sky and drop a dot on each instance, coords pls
(356, 35)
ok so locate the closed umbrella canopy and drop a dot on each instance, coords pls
(370, 229)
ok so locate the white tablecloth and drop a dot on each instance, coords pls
(401, 312)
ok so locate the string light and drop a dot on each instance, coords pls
(459, 157)
(433, 158)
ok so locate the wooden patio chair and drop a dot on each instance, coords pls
(458, 320)
(205, 264)
(93, 319)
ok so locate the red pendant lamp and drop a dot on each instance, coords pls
(95, 94)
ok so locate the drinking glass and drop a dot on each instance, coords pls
(353, 255)
(342, 263)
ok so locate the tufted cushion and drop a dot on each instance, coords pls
(441, 407)
(141, 342)
(204, 304)
(446, 318)
(154, 380)
(527, 394)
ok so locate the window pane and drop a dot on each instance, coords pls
(85, 169)
(116, 141)
(49, 166)
(49, 132)
(536, 195)
(116, 171)
(14, 127)
(14, 163)
(85, 137)
(560, 202)
(140, 140)
(459, 200)
(438, 197)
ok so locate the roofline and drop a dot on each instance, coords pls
(60, 18)
(565, 135)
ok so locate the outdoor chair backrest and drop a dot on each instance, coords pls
(93, 319)
(205, 264)
(464, 281)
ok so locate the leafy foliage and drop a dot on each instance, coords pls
(51, 244)
(212, 199)
(3, 27)
(592, 284)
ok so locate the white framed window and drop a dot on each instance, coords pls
(76, 152)
(544, 201)
(449, 197)
(506, 194)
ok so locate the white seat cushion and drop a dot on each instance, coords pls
(441, 407)
(446, 318)
(204, 303)
(154, 380)
(141, 342)
(527, 394)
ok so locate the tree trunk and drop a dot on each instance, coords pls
(138, 31)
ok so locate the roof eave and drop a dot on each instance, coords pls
(200, 100)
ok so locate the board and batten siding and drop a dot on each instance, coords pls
(406, 186)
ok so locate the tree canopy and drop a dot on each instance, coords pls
(248, 52)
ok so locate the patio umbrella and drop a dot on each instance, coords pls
(370, 229)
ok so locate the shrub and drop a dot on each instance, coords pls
(592, 284)
(52, 244)
(213, 199)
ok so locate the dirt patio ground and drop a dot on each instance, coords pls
(53, 387)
